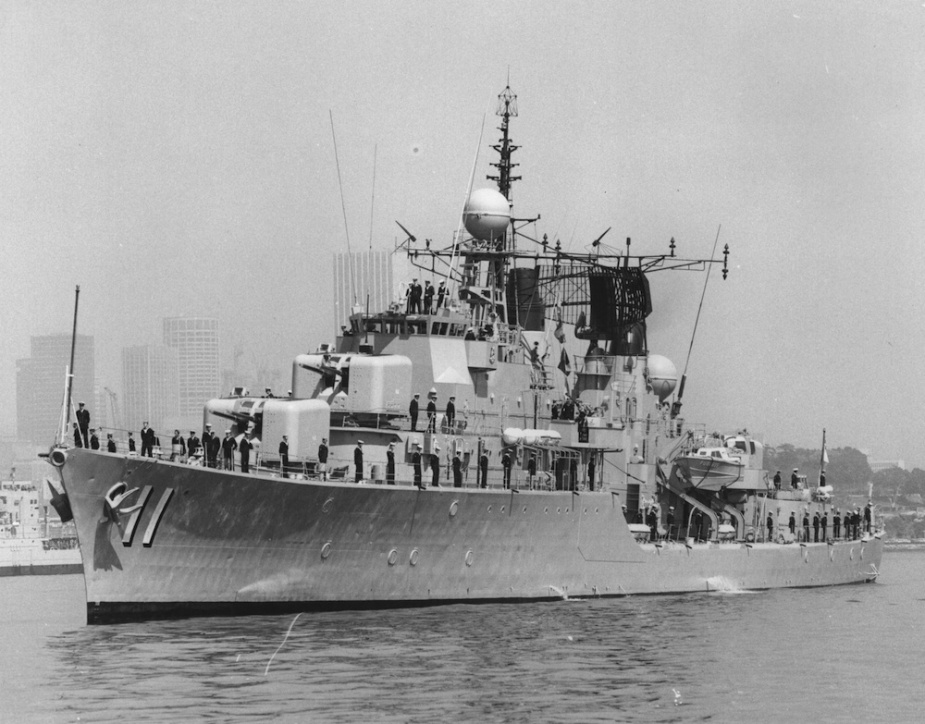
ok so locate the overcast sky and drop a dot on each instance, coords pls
(177, 159)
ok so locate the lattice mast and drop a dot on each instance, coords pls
(604, 294)
(507, 109)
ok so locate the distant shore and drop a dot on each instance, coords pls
(904, 544)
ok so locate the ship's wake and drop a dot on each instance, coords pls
(721, 584)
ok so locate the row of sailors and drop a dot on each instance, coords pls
(855, 522)
(231, 453)
(421, 299)
(567, 409)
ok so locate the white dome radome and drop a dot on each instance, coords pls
(662, 376)
(487, 214)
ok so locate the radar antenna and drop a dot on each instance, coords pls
(507, 108)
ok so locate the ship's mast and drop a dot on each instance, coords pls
(604, 294)
(507, 109)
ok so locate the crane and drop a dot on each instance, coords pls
(114, 407)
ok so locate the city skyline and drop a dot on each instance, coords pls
(150, 386)
(41, 385)
(361, 278)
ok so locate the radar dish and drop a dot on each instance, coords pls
(487, 214)
(662, 376)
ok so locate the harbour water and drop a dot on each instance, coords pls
(848, 653)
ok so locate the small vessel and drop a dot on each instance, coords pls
(508, 436)
(28, 544)
(737, 463)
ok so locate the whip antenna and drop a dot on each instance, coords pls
(343, 206)
(677, 404)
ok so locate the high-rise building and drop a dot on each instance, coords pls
(195, 340)
(150, 384)
(40, 385)
(357, 275)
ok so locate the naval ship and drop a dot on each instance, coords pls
(537, 461)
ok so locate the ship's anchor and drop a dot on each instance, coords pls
(60, 503)
(114, 497)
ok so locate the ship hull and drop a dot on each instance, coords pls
(210, 542)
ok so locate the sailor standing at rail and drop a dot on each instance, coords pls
(245, 450)
(229, 445)
(836, 525)
(428, 297)
(177, 446)
(451, 413)
(457, 469)
(390, 464)
(435, 468)
(416, 465)
(806, 525)
(441, 293)
(414, 294)
(413, 411)
(214, 447)
(94, 440)
(83, 422)
(147, 440)
(358, 461)
(207, 436)
(323, 458)
(432, 414)
(506, 464)
(192, 444)
(284, 456)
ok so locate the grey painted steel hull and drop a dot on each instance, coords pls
(207, 542)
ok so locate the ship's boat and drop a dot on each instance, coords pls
(737, 464)
(505, 437)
